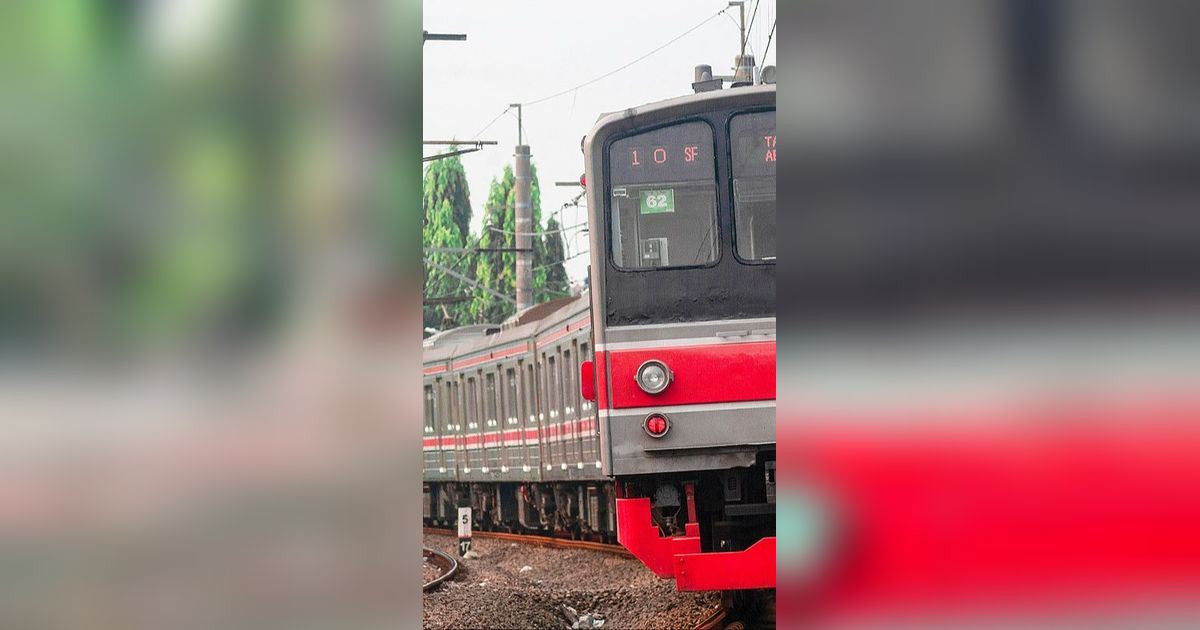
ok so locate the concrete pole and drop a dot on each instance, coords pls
(524, 241)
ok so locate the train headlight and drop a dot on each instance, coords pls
(656, 425)
(653, 377)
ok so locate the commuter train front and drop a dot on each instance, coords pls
(681, 198)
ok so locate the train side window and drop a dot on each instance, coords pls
(472, 404)
(430, 409)
(456, 401)
(510, 399)
(552, 370)
(664, 198)
(489, 400)
(568, 373)
(752, 142)
(584, 355)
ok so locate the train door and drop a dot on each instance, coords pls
(459, 454)
(491, 428)
(570, 431)
(553, 416)
(532, 434)
(474, 450)
(512, 428)
(549, 455)
(430, 442)
(590, 429)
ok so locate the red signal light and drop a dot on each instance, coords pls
(656, 425)
(583, 180)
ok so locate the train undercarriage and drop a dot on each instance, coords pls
(580, 510)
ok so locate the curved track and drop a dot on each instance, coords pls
(446, 564)
(741, 610)
(544, 541)
(715, 621)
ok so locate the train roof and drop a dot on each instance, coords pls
(687, 103)
(471, 339)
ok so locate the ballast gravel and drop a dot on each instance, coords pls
(513, 586)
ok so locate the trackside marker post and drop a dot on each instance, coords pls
(464, 530)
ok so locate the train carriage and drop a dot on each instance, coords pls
(506, 429)
(681, 198)
(553, 421)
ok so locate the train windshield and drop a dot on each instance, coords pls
(752, 147)
(664, 198)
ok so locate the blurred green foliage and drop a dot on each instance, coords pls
(170, 179)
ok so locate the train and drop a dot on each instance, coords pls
(643, 410)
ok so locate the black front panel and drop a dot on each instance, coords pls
(667, 268)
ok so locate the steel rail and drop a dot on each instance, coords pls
(715, 621)
(544, 541)
(443, 561)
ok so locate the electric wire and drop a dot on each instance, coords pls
(558, 231)
(612, 72)
(489, 125)
(769, 37)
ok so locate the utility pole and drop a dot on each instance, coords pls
(520, 127)
(524, 216)
(741, 5)
(744, 64)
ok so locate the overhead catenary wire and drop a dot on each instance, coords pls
(612, 72)
(489, 125)
(559, 262)
(769, 38)
(539, 233)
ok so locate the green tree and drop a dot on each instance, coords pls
(497, 270)
(556, 284)
(441, 231)
(446, 179)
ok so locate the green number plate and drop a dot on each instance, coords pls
(657, 201)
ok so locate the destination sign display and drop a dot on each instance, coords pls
(753, 144)
(671, 154)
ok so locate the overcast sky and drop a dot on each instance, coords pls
(520, 51)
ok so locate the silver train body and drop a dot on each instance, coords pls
(506, 430)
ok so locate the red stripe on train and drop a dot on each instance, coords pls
(702, 374)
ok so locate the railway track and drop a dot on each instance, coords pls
(544, 541)
(445, 563)
(715, 621)
(741, 610)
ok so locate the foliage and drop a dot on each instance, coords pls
(446, 179)
(446, 206)
(497, 270)
(440, 231)
(556, 274)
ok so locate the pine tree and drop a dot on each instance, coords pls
(447, 217)
(441, 231)
(497, 270)
(446, 179)
(556, 274)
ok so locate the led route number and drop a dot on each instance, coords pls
(659, 155)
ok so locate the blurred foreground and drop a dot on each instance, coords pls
(991, 312)
(208, 234)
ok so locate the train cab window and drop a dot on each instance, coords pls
(511, 414)
(663, 198)
(752, 146)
